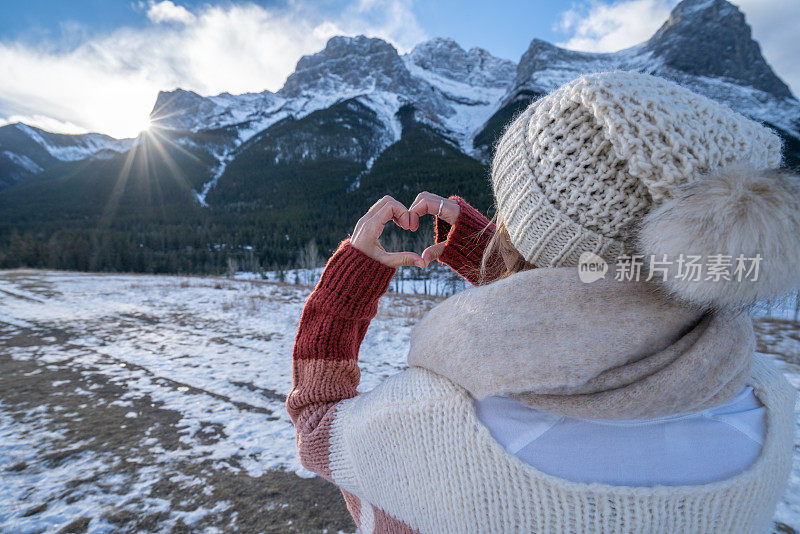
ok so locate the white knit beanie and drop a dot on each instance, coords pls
(586, 167)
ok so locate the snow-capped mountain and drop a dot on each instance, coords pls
(468, 96)
(25, 150)
(452, 89)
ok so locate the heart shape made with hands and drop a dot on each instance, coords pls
(368, 229)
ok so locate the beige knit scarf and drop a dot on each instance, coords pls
(606, 350)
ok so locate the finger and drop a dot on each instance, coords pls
(397, 259)
(376, 208)
(433, 252)
(373, 210)
(419, 207)
(428, 204)
(378, 203)
(399, 213)
(386, 199)
(391, 210)
(424, 202)
(370, 229)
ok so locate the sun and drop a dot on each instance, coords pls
(126, 125)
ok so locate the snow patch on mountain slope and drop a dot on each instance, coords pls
(241, 108)
(23, 161)
(386, 106)
(258, 124)
(91, 145)
(476, 67)
(75, 147)
(253, 123)
(30, 132)
(220, 170)
(698, 5)
(471, 105)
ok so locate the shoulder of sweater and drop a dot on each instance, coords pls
(397, 406)
(769, 382)
(413, 387)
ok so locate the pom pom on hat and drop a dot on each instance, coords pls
(745, 219)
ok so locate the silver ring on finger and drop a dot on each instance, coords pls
(441, 203)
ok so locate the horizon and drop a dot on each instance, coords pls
(143, 48)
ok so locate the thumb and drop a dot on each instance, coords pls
(433, 252)
(397, 259)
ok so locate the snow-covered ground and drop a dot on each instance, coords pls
(156, 403)
(129, 400)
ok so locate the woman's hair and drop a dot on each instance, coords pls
(499, 244)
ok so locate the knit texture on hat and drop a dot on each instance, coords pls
(580, 166)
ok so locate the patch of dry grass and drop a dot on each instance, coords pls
(408, 308)
(778, 337)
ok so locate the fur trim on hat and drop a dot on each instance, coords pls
(733, 211)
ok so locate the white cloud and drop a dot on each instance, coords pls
(166, 11)
(601, 27)
(108, 83)
(610, 26)
(45, 123)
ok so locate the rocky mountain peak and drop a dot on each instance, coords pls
(446, 58)
(186, 110)
(542, 55)
(705, 45)
(348, 64)
(705, 39)
(712, 38)
(180, 109)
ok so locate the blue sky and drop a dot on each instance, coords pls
(97, 65)
(471, 23)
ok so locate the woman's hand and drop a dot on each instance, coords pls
(428, 204)
(369, 227)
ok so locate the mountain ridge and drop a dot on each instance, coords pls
(704, 44)
(27, 150)
(265, 173)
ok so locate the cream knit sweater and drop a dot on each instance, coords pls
(417, 426)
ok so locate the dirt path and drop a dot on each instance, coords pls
(70, 425)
